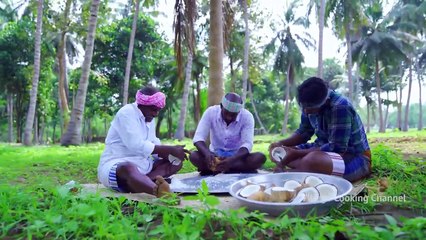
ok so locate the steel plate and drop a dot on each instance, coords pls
(219, 183)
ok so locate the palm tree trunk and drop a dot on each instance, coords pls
(34, 88)
(349, 53)
(73, 134)
(398, 109)
(180, 131)
(419, 78)
(9, 117)
(379, 99)
(42, 131)
(399, 99)
(232, 71)
(216, 88)
(320, 37)
(355, 99)
(54, 133)
(105, 127)
(368, 118)
(387, 109)
(287, 100)
(62, 65)
(407, 106)
(197, 102)
(256, 114)
(35, 139)
(84, 130)
(169, 123)
(246, 51)
(130, 54)
(89, 131)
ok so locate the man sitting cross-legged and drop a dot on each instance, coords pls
(134, 159)
(231, 129)
(341, 146)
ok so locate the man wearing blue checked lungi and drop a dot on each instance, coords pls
(340, 148)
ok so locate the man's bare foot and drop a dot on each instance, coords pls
(162, 188)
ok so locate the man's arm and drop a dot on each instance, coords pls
(202, 148)
(293, 154)
(202, 133)
(178, 151)
(294, 140)
(247, 133)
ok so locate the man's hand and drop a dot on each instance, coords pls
(209, 158)
(291, 155)
(179, 151)
(225, 164)
(272, 146)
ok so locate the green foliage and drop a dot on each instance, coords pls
(270, 107)
(16, 53)
(111, 44)
(35, 207)
(406, 177)
(332, 69)
(204, 197)
(60, 213)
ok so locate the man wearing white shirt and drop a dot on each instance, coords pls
(231, 129)
(134, 159)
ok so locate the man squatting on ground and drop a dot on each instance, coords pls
(134, 159)
(231, 129)
(341, 147)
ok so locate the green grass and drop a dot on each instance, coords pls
(52, 165)
(396, 133)
(34, 204)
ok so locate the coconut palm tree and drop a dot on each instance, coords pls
(378, 46)
(408, 17)
(347, 17)
(34, 87)
(246, 48)
(130, 53)
(320, 5)
(65, 46)
(73, 133)
(288, 57)
(366, 88)
(216, 87)
(184, 32)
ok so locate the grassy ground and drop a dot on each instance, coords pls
(33, 205)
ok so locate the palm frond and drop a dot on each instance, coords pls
(183, 25)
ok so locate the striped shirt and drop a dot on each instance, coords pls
(337, 126)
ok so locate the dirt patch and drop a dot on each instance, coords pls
(410, 147)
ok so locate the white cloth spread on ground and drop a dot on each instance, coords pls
(129, 139)
(233, 137)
